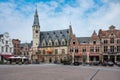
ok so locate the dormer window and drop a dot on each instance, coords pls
(43, 43)
(47, 33)
(49, 44)
(56, 42)
(67, 31)
(60, 32)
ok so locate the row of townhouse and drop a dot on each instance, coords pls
(12, 47)
(102, 47)
(57, 45)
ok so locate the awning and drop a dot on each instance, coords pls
(6, 56)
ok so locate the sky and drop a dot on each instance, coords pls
(85, 16)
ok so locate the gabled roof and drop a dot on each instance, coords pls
(94, 36)
(83, 39)
(53, 35)
(108, 32)
(23, 44)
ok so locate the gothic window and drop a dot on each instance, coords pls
(111, 48)
(91, 49)
(63, 51)
(10, 50)
(56, 51)
(76, 50)
(6, 42)
(56, 42)
(2, 49)
(105, 48)
(105, 41)
(71, 50)
(43, 43)
(63, 42)
(118, 41)
(118, 48)
(83, 49)
(50, 43)
(97, 49)
(111, 40)
(2, 41)
(6, 49)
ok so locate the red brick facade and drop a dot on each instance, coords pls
(16, 43)
(104, 46)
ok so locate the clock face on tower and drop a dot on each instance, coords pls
(36, 31)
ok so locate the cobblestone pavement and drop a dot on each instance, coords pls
(58, 72)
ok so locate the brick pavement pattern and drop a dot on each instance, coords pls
(56, 72)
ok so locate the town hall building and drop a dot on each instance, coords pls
(49, 46)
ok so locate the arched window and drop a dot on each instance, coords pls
(43, 43)
(111, 40)
(63, 42)
(56, 43)
(50, 42)
(118, 41)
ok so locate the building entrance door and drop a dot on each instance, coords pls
(105, 58)
(112, 58)
(50, 60)
(118, 58)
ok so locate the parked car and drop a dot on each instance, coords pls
(95, 63)
(118, 64)
(104, 63)
(110, 63)
(76, 63)
(66, 62)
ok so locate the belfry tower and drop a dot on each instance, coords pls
(36, 30)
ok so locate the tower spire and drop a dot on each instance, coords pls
(36, 19)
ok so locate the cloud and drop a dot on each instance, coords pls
(85, 16)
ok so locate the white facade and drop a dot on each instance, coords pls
(6, 45)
